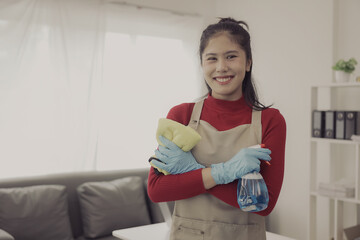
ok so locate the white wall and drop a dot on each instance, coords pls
(292, 47)
(295, 43)
(347, 33)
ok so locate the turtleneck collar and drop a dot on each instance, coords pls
(225, 105)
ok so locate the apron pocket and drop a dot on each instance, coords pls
(186, 229)
(186, 233)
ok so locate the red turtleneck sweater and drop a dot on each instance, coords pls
(224, 115)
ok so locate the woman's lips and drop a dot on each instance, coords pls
(223, 80)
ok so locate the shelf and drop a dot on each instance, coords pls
(349, 200)
(335, 85)
(331, 140)
(332, 96)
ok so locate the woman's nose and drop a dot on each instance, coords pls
(221, 66)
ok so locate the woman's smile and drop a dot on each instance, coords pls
(223, 80)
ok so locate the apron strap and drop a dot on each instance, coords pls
(196, 113)
(256, 124)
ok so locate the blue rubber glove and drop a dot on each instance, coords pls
(245, 161)
(173, 159)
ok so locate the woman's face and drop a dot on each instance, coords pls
(224, 66)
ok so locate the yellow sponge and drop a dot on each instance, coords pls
(183, 136)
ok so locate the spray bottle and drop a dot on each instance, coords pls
(252, 193)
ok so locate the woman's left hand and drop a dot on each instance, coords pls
(173, 159)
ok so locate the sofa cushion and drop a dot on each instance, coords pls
(107, 206)
(35, 212)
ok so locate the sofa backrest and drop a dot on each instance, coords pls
(74, 179)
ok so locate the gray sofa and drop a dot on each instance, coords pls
(81, 205)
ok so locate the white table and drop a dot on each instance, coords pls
(161, 232)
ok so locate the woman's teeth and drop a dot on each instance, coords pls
(223, 79)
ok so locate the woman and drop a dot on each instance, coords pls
(229, 120)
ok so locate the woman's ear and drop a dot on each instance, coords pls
(248, 65)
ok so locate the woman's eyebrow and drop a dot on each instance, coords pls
(232, 51)
(227, 52)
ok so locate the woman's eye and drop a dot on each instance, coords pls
(231, 56)
(211, 59)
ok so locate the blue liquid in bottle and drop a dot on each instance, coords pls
(252, 193)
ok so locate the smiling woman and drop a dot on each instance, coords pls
(230, 120)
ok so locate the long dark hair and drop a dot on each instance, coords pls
(241, 37)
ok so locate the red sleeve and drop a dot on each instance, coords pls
(164, 188)
(273, 136)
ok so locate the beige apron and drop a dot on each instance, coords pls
(204, 216)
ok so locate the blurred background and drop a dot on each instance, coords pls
(84, 82)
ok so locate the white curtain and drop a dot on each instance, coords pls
(83, 82)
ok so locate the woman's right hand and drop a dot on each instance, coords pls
(245, 161)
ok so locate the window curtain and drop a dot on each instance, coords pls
(83, 82)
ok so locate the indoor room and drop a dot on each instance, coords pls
(100, 100)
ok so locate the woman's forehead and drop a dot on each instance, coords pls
(222, 43)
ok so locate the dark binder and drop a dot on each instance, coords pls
(318, 124)
(350, 124)
(329, 124)
(340, 125)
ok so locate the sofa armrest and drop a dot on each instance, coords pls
(5, 235)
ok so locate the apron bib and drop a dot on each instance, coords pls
(204, 216)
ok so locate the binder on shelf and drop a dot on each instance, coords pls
(340, 125)
(318, 124)
(350, 124)
(329, 124)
